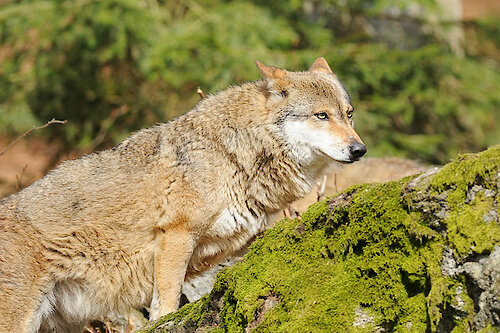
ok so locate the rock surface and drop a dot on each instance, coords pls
(421, 254)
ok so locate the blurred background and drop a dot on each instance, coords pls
(424, 75)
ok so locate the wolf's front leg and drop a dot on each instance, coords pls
(171, 260)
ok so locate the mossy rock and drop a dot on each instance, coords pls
(417, 255)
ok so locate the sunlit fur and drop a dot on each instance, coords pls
(123, 227)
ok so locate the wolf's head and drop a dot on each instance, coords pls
(313, 112)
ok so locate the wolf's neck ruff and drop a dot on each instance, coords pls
(271, 166)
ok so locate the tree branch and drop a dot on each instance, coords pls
(200, 92)
(31, 130)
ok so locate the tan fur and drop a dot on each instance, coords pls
(123, 227)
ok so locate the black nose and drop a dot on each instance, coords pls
(357, 150)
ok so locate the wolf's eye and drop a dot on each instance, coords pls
(349, 114)
(321, 115)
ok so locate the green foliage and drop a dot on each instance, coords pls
(489, 30)
(74, 60)
(111, 67)
(427, 102)
(484, 39)
(216, 46)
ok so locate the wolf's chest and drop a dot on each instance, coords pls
(233, 221)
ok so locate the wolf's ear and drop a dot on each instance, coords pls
(320, 65)
(269, 72)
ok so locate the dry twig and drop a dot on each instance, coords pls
(106, 125)
(200, 92)
(291, 212)
(321, 189)
(19, 179)
(31, 130)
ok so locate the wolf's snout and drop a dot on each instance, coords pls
(357, 150)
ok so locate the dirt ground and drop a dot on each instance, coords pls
(28, 160)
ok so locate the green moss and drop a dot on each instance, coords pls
(189, 316)
(375, 248)
(467, 231)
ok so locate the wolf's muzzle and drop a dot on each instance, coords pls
(357, 150)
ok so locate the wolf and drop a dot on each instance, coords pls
(125, 227)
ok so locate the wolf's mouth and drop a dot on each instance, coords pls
(350, 161)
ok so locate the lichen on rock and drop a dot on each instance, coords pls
(415, 255)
